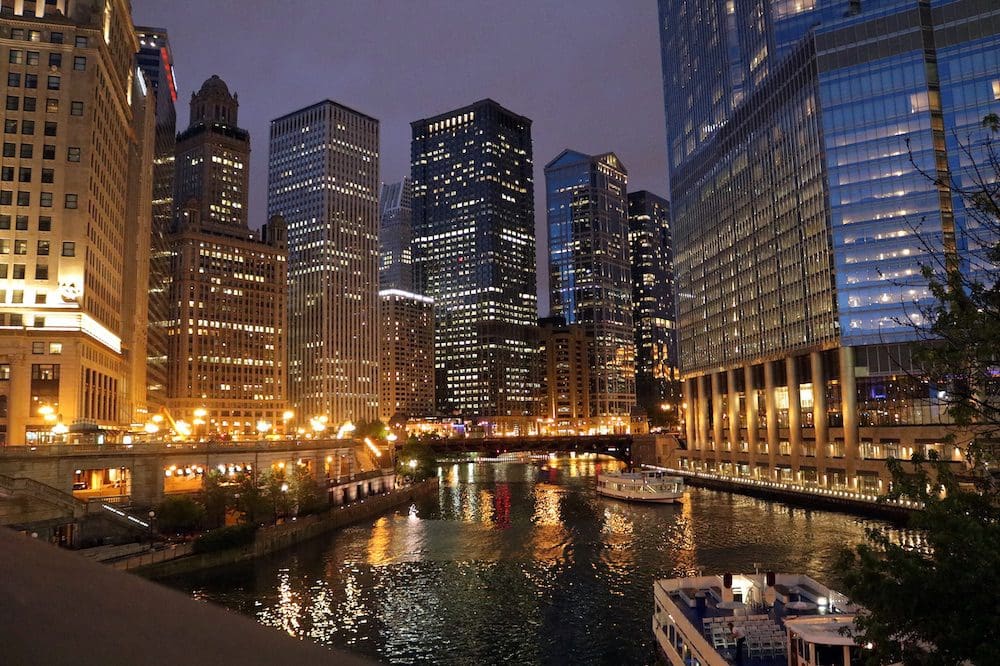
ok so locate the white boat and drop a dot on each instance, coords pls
(648, 486)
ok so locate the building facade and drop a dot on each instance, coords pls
(406, 365)
(806, 143)
(656, 387)
(474, 235)
(227, 338)
(566, 357)
(323, 178)
(590, 277)
(156, 61)
(69, 147)
(395, 236)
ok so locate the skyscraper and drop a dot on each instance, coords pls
(474, 234)
(806, 142)
(653, 302)
(156, 61)
(590, 276)
(395, 236)
(68, 209)
(212, 158)
(323, 179)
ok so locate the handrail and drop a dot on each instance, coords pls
(43, 491)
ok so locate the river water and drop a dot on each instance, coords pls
(519, 563)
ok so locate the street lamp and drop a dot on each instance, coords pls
(263, 427)
(152, 516)
(286, 416)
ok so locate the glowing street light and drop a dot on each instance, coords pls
(200, 413)
(60, 429)
(345, 430)
(183, 428)
(370, 445)
(263, 426)
(151, 428)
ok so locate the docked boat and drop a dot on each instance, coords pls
(646, 486)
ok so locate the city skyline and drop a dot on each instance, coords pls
(421, 78)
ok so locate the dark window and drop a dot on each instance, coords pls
(45, 223)
(24, 175)
(7, 174)
(53, 83)
(46, 199)
(4, 221)
(73, 154)
(6, 197)
(23, 198)
(76, 108)
(16, 57)
(13, 80)
(29, 103)
(18, 273)
(42, 272)
(69, 249)
(42, 248)
(71, 200)
(17, 33)
(3, 271)
(32, 57)
(21, 223)
(79, 63)
(51, 105)
(30, 80)
(37, 347)
(55, 60)
(48, 176)
(51, 128)
(28, 127)
(9, 149)
(81, 42)
(13, 102)
(56, 38)
(10, 127)
(48, 152)
(27, 150)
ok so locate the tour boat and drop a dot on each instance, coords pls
(647, 486)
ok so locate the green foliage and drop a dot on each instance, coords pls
(421, 452)
(179, 515)
(307, 496)
(216, 498)
(374, 429)
(225, 538)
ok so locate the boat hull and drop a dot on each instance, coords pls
(646, 499)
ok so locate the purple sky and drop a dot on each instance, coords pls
(587, 72)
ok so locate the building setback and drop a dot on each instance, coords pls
(653, 303)
(473, 224)
(804, 144)
(590, 276)
(323, 179)
(69, 213)
(155, 59)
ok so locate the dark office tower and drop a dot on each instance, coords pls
(653, 303)
(156, 61)
(474, 232)
(590, 276)
(395, 236)
(323, 178)
(806, 142)
(213, 157)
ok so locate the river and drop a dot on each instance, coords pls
(519, 563)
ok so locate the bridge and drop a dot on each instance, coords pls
(616, 446)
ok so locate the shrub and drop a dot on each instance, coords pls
(225, 538)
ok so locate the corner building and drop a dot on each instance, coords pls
(474, 232)
(590, 274)
(68, 209)
(790, 128)
(323, 179)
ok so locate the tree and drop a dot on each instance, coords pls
(251, 502)
(179, 515)
(216, 498)
(938, 604)
(416, 459)
(306, 494)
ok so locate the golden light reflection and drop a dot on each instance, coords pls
(546, 506)
(685, 549)
(379, 542)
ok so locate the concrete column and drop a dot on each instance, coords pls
(750, 417)
(849, 408)
(689, 412)
(19, 400)
(772, 420)
(794, 412)
(733, 405)
(702, 411)
(717, 417)
(819, 410)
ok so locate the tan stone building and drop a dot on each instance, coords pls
(69, 210)
(565, 354)
(407, 354)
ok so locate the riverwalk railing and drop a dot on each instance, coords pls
(154, 556)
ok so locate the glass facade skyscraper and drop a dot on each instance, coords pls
(806, 141)
(395, 236)
(323, 179)
(653, 302)
(590, 276)
(474, 235)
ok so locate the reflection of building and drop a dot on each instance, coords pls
(566, 353)
(227, 339)
(804, 142)
(590, 275)
(652, 301)
(407, 355)
(71, 217)
(474, 232)
(156, 61)
(323, 178)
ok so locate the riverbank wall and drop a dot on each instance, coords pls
(277, 537)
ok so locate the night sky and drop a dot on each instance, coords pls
(586, 72)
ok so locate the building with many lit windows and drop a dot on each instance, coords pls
(566, 354)
(407, 354)
(653, 304)
(228, 327)
(156, 61)
(474, 235)
(212, 157)
(806, 142)
(590, 276)
(323, 179)
(395, 236)
(70, 220)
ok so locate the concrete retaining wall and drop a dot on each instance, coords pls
(277, 537)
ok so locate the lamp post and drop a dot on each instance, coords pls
(152, 530)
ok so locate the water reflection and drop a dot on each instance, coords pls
(520, 563)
